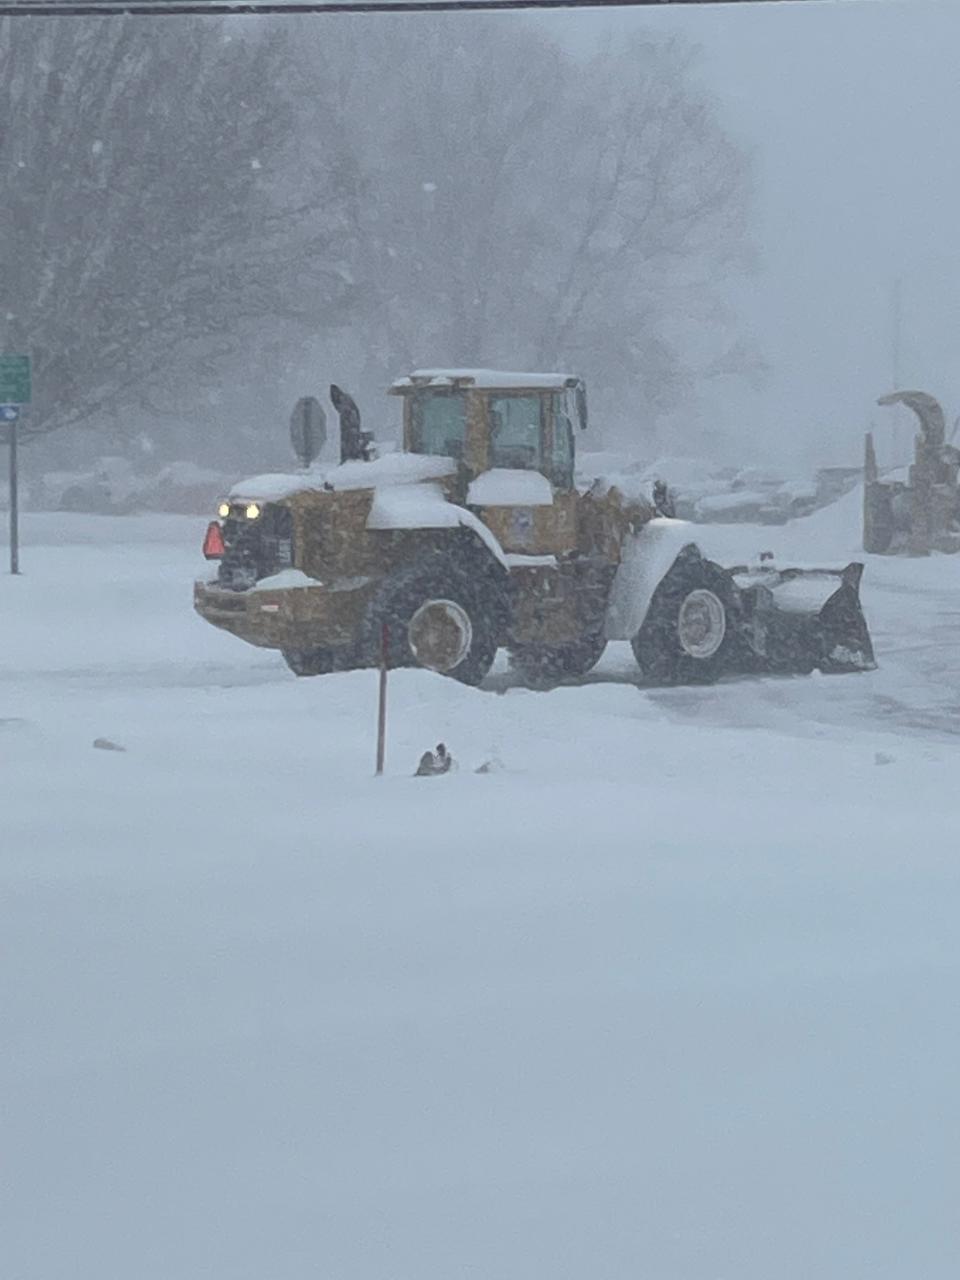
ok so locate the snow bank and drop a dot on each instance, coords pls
(592, 464)
(680, 471)
(726, 504)
(668, 995)
(838, 526)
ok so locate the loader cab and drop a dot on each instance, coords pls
(492, 421)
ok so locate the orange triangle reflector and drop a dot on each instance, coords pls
(213, 546)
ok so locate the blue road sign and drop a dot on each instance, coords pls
(9, 412)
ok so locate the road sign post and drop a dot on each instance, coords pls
(15, 391)
(14, 503)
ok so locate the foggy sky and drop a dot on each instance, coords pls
(851, 109)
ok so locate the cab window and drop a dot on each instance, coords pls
(516, 432)
(439, 423)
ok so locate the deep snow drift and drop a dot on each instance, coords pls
(671, 992)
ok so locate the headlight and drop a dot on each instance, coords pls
(252, 511)
(223, 510)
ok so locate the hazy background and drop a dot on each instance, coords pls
(850, 111)
(768, 341)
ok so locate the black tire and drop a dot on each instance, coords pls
(657, 647)
(542, 667)
(470, 586)
(309, 662)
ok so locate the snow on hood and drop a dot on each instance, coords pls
(502, 487)
(485, 378)
(393, 469)
(423, 506)
(404, 496)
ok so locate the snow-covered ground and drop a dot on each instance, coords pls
(669, 995)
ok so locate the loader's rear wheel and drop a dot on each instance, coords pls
(440, 616)
(309, 662)
(688, 634)
(543, 667)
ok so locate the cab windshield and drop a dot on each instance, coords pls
(439, 423)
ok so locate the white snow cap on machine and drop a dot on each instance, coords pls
(647, 557)
(391, 469)
(503, 487)
(423, 506)
(485, 379)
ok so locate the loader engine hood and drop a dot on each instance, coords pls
(407, 491)
(392, 469)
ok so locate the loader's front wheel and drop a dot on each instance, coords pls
(543, 667)
(688, 633)
(441, 617)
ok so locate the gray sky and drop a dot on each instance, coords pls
(851, 107)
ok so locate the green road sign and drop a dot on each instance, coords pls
(14, 379)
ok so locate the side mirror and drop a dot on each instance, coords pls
(581, 394)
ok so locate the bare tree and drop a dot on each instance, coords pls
(525, 206)
(185, 200)
(151, 209)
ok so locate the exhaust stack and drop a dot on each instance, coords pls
(353, 447)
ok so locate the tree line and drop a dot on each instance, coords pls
(199, 213)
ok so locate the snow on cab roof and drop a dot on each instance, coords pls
(485, 379)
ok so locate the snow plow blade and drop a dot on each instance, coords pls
(802, 620)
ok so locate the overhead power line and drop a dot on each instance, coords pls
(239, 8)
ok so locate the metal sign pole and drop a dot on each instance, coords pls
(15, 394)
(14, 502)
(382, 707)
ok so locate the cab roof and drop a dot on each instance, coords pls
(485, 380)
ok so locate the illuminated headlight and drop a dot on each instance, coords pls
(223, 510)
(252, 511)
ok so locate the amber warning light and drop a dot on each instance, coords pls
(213, 547)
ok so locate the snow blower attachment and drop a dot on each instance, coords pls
(921, 513)
(802, 620)
(477, 536)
